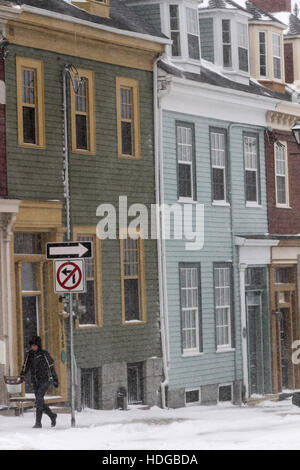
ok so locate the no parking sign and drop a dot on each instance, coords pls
(69, 276)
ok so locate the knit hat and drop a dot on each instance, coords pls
(37, 341)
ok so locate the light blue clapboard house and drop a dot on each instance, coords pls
(210, 127)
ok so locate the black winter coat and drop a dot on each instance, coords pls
(41, 367)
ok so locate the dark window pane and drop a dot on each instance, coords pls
(126, 138)
(192, 396)
(81, 132)
(29, 134)
(131, 290)
(225, 393)
(193, 43)
(86, 305)
(227, 56)
(281, 190)
(218, 184)
(175, 36)
(243, 59)
(251, 186)
(28, 243)
(185, 180)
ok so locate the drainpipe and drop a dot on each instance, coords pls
(161, 256)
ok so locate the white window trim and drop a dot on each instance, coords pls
(276, 79)
(242, 46)
(192, 389)
(254, 170)
(227, 346)
(287, 188)
(266, 54)
(220, 202)
(179, 30)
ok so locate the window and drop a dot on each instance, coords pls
(128, 117)
(30, 97)
(28, 243)
(226, 40)
(283, 276)
(243, 46)
(262, 54)
(193, 33)
(218, 162)
(175, 30)
(223, 309)
(281, 174)
(276, 41)
(133, 280)
(89, 303)
(190, 306)
(83, 113)
(192, 396)
(251, 169)
(186, 160)
(225, 392)
(255, 277)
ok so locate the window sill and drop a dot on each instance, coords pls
(192, 354)
(87, 327)
(283, 206)
(253, 204)
(186, 200)
(220, 203)
(224, 350)
(134, 322)
(129, 157)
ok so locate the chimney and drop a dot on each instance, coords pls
(272, 6)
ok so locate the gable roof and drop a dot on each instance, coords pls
(121, 16)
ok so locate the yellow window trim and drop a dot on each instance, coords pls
(133, 84)
(91, 231)
(141, 276)
(91, 120)
(38, 67)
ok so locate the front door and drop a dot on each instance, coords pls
(135, 383)
(255, 342)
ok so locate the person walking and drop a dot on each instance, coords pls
(41, 366)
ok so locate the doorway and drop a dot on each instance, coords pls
(255, 342)
(135, 383)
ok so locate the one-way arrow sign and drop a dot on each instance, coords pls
(69, 250)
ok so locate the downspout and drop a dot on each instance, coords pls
(159, 230)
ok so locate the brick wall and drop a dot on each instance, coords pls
(283, 220)
(274, 5)
(289, 63)
(3, 171)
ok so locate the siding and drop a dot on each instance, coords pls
(220, 226)
(207, 38)
(150, 13)
(94, 179)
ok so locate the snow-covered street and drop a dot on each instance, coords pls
(268, 425)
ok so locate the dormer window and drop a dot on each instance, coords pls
(242, 30)
(175, 30)
(226, 39)
(276, 43)
(192, 33)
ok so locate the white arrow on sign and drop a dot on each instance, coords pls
(78, 250)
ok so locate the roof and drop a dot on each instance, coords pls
(121, 16)
(244, 5)
(213, 77)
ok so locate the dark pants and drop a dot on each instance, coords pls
(39, 391)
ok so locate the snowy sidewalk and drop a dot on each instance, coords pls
(269, 425)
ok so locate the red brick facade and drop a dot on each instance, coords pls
(289, 63)
(283, 220)
(3, 172)
(274, 5)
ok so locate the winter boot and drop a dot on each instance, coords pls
(51, 415)
(38, 418)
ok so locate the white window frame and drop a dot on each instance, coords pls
(276, 56)
(195, 309)
(278, 174)
(250, 168)
(192, 389)
(192, 29)
(181, 161)
(243, 43)
(219, 166)
(261, 55)
(227, 44)
(175, 30)
(224, 306)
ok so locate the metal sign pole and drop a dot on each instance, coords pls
(72, 361)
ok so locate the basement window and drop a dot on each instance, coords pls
(192, 396)
(225, 392)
